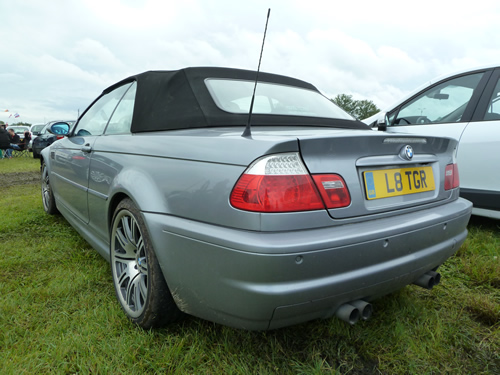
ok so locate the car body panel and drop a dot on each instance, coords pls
(271, 280)
(257, 270)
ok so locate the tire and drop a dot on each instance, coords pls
(139, 284)
(49, 203)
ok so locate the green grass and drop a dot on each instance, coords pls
(21, 164)
(58, 314)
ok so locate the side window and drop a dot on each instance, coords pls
(445, 102)
(493, 110)
(122, 117)
(94, 121)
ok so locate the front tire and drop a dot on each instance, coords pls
(140, 286)
(49, 203)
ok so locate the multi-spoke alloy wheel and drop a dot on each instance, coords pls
(139, 283)
(130, 265)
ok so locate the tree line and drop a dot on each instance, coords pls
(360, 109)
(17, 123)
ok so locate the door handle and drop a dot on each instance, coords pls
(87, 149)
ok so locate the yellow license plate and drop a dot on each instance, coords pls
(386, 183)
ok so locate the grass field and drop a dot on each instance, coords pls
(58, 313)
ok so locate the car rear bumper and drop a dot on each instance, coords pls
(256, 280)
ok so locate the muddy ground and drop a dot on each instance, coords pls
(19, 178)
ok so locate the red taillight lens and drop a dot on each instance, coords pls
(451, 178)
(275, 193)
(281, 183)
(333, 190)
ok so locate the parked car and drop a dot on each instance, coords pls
(466, 106)
(254, 219)
(46, 138)
(35, 130)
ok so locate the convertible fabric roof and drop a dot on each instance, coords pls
(179, 99)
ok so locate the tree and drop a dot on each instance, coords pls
(360, 109)
(22, 124)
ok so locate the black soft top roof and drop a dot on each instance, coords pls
(179, 99)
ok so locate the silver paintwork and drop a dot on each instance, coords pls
(252, 270)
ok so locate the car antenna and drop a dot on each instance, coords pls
(247, 133)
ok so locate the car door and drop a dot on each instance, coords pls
(467, 108)
(479, 157)
(444, 109)
(71, 156)
(107, 162)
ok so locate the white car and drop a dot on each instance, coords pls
(465, 106)
(35, 130)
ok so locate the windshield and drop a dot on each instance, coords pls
(235, 96)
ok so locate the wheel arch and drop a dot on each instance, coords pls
(113, 203)
(140, 187)
(42, 160)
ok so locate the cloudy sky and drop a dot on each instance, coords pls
(57, 56)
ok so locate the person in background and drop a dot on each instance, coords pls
(4, 140)
(14, 143)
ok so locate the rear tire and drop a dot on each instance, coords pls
(140, 286)
(49, 202)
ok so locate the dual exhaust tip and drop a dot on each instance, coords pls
(428, 280)
(353, 311)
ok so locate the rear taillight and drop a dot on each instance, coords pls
(281, 183)
(451, 178)
(333, 190)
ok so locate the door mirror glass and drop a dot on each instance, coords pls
(59, 128)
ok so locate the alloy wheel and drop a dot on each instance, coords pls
(129, 263)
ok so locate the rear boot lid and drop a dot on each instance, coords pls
(383, 172)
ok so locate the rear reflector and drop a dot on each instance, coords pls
(451, 178)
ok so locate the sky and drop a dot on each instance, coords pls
(57, 56)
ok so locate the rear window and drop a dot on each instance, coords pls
(235, 96)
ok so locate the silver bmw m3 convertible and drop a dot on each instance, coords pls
(256, 210)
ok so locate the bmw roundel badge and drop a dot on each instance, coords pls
(406, 152)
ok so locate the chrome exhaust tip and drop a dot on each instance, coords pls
(428, 280)
(348, 313)
(365, 308)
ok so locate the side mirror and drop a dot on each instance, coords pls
(382, 122)
(59, 128)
